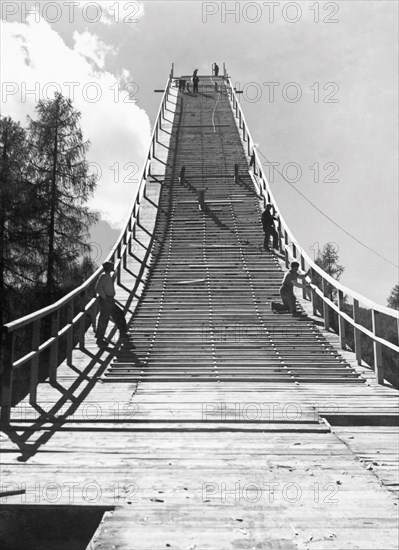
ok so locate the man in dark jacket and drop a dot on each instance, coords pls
(268, 227)
(195, 84)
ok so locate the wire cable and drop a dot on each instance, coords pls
(328, 217)
(213, 114)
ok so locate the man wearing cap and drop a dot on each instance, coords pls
(106, 291)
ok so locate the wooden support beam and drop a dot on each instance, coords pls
(7, 360)
(82, 322)
(326, 308)
(378, 364)
(55, 327)
(69, 335)
(34, 369)
(341, 320)
(304, 290)
(357, 333)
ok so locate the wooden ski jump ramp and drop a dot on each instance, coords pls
(229, 426)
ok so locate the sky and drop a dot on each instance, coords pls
(320, 95)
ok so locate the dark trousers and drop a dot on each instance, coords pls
(270, 232)
(288, 298)
(108, 309)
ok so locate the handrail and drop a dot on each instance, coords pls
(75, 313)
(291, 249)
(18, 323)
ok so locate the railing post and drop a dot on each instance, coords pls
(357, 335)
(378, 365)
(304, 291)
(280, 234)
(82, 322)
(286, 258)
(34, 370)
(94, 312)
(287, 261)
(125, 248)
(55, 327)
(313, 294)
(341, 320)
(7, 361)
(326, 308)
(69, 335)
(118, 271)
(130, 250)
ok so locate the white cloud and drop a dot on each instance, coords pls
(91, 47)
(38, 63)
(111, 11)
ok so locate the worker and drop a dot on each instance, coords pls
(108, 308)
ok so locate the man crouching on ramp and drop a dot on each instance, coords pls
(287, 290)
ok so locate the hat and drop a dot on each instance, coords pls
(108, 264)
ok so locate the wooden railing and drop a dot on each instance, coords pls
(293, 251)
(45, 338)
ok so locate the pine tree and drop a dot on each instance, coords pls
(63, 185)
(393, 298)
(20, 259)
(327, 259)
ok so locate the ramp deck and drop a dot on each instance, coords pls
(211, 433)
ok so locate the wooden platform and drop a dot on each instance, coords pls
(228, 427)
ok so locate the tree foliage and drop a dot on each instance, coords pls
(393, 298)
(44, 219)
(20, 258)
(327, 259)
(62, 184)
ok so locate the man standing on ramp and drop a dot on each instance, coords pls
(108, 308)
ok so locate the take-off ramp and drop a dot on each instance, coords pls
(228, 426)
